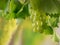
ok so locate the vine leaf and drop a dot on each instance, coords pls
(48, 6)
(24, 13)
(55, 37)
(48, 30)
(54, 21)
(3, 4)
(12, 6)
(18, 6)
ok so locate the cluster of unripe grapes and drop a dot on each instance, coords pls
(7, 28)
(44, 22)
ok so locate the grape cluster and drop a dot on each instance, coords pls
(44, 22)
(8, 28)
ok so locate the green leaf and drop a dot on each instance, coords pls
(48, 30)
(24, 13)
(51, 6)
(18, 6)
(1, 33)
(56, 38)
(12, 6)
(57, 3)
(1, 12)
(54, 21)
(3, 4)
(9, 16)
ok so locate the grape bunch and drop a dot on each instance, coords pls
(6, 31)
(7, 28)
(47, 14)
(44, 22)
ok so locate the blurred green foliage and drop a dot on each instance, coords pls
(47, 10)
(3, 4)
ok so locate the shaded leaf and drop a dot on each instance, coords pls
(24, 13)
(3, 4)
(51, 6)
(48, 30)
(18, 6)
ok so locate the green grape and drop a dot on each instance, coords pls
(8, 28)
(41, 22)
(36, 21)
